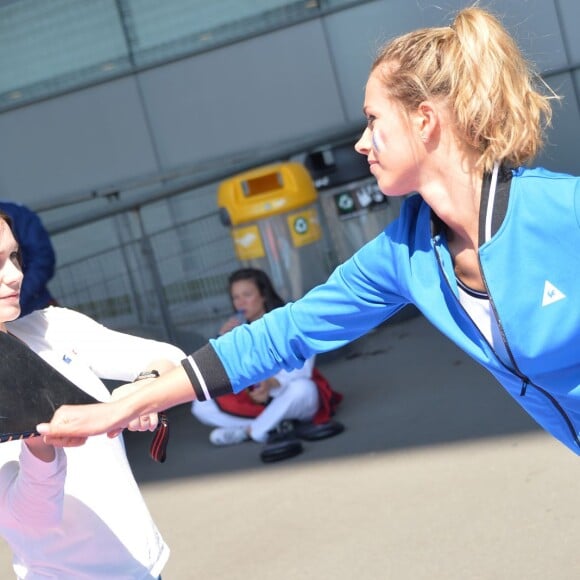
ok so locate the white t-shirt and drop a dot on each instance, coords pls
(97, 525)
(479, 309)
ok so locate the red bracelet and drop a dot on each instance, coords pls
(158, 447)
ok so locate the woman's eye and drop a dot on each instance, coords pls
(370, 121)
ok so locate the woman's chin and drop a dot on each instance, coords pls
(391, 189)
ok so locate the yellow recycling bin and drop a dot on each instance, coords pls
(274, 219)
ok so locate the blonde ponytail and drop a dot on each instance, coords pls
(500, 106)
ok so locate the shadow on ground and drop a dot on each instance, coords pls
(404, 385)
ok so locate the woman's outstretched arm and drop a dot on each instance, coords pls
(71, 423)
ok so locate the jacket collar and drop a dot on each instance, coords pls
(495, 193)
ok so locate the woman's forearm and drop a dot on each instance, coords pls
(171, 388)
(72, 423)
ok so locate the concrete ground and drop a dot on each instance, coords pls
(439, 475)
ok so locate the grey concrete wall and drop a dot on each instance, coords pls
(275, 87)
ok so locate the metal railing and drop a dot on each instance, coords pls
(168, 285)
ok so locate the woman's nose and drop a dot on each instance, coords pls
(362, 146)
(12, 273)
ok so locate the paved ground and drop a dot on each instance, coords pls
(439, 476)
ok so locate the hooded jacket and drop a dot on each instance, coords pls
(529, 254)
(38, 257)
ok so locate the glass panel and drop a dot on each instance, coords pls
(52, 46)
(158, 23)
(163, 30)
(49, 46)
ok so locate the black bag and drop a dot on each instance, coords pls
(30, 390)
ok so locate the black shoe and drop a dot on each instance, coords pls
(312, 432)
(285, 431)
(282, 450)
(282, 443)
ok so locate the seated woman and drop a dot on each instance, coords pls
(302, 394)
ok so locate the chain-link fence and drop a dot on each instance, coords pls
(169, 285)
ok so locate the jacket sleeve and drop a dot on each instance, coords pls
(360, 294)
(31, 490)
(111, 354)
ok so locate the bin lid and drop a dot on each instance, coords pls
(266, 191)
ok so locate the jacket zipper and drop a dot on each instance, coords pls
(526, 382)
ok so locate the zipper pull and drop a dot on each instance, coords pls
(524, 387)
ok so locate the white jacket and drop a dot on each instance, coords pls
(81, 516)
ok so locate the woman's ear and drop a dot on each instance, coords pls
(426, 120)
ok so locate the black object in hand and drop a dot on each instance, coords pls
(31, 390)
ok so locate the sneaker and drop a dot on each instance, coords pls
(285, 431)
(228, 436)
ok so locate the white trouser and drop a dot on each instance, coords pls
(296, 400)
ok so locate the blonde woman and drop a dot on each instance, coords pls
(487, 249)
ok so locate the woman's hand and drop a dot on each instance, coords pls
(72, 424)
(75, 422)
(40, 449)
(142, 423)
(261, 392)
(229, 324)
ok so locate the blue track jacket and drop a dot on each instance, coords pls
(530, 260)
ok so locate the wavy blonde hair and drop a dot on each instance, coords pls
(499, 104)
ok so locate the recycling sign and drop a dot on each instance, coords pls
(300, 225)
(304, 227)
(352, 202)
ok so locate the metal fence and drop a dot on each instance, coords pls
(169, 285)
(159, 268)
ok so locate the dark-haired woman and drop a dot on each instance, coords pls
(300, 394)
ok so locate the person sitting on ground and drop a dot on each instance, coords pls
(301, 394)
